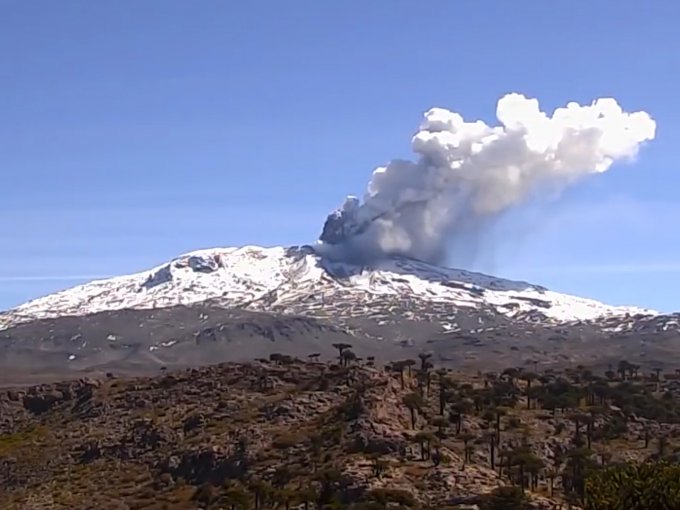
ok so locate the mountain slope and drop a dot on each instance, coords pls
(297, 280)
(236, 304)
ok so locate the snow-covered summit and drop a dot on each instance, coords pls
(284, 278)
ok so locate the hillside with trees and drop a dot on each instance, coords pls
(344, 433)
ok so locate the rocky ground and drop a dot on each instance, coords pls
(140, 342)
(284, 432)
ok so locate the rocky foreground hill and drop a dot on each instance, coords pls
(286, 433)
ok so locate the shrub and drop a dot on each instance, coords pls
(386, 496)
(634, 487)
(285, 441)
(504, 498)
(514, 422)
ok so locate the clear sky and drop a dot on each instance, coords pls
(131, 132)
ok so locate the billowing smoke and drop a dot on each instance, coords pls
(468, 173)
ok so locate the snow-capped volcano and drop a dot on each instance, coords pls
(298, 280)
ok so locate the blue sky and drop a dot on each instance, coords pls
(131, 132)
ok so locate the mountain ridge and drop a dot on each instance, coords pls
(237, 304)
(252, 277)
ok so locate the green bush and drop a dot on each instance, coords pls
(633, 487)
(504, 498)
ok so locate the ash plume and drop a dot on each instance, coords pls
(468, 173)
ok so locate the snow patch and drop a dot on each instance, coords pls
(257, 278)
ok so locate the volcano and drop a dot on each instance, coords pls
(238, 303)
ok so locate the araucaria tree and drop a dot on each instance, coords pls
(414, 403)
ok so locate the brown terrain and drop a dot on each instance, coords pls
(287, 433)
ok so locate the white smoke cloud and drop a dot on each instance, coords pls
(469, 172)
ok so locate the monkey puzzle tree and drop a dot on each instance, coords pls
(579, 462)
(347, 357)
(526, 461)
(511, 374)
(235, 496)
(467, 437)
(490, 439)
(534, 467)
(261, 491)
(578, 419)
(459, 408)
(440, 422)
(287, 497)
(499, 412)
(446, 385)
(551, 474)
(330, 482)
(379, 465)
(529, 378)
(589, 421)
(341, 348)
(399, 366)
(622, 368)
(424, 360)
(425, 440)
(414, 403)
(661, 445)
(424, 380)
(409, 363)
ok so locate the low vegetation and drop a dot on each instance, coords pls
(282, 433)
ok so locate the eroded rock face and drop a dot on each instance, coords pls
(372, 443)
(146, 435)
(43, 398)
(41, 403)
(163, 275)
(203, 264)
(211, 464)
